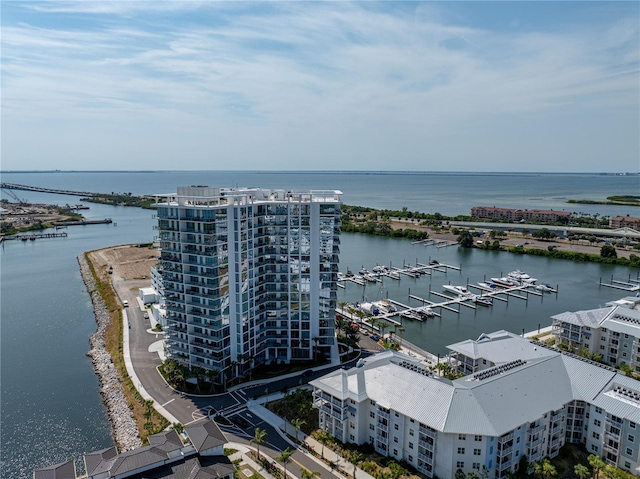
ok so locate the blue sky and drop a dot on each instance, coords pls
(428, 86)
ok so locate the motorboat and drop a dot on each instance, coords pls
(483, 300)
(370, 308)
(505, 282)
(425, 313)
(385, 306)
(521, 277)
(487, 285)
(544, 288)
(459, 290)
(411, 314)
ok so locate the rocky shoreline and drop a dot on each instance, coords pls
(123, 424)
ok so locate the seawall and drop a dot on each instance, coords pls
(123, 424)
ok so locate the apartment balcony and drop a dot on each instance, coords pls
(538, 428)
(610, 449)
(536, 442)
(504, 452)
(556, 442)
(557, 429)
(612, 435)
(425, 459)
(382, 426)
(428, 432)
(426, 445)
(505, 438)
(383, 413)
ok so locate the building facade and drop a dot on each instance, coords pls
(612, 332)
(249, 276)
(488, 421)
(625, 222)
(513, 214)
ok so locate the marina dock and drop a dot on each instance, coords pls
(632, 284)
(33, 236)
(471, 295)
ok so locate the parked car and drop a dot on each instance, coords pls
(146, 315)
(375, 337)
(125, 303)
(307, 373)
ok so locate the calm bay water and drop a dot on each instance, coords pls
(51, 406)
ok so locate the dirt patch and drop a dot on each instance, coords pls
(126, 262)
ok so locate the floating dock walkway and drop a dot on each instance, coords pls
(630, 285)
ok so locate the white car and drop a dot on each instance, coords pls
(125, 303)
(146, 315)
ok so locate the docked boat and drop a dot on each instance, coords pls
(370, 308)
(369, 277)
(411, 314)
(483, 300)
(385, 306)
(341, 276)
(544, 288)
(504, 282)
(425, 313)
(459, 290)
(521, 277)
(487, 285)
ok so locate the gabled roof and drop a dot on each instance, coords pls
(530, 383)
(205, 435)
(95, 462)
(64, 470)
(592, 318)
(498, 348)
(166, 441)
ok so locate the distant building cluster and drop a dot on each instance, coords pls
(517, 398)
(513, 214)
(625, 222)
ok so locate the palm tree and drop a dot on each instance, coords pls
(373, 321)
(383, 325)
(581, 471)
(212, 375)
(323, 438)
(298, 423)
(356, 457)
(258, 438)
(285, 458)
(596, 464)
(307, 474)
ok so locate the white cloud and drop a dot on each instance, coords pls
(333, 79)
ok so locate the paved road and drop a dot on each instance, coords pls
(188, 408)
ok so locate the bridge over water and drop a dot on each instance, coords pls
(15, 186)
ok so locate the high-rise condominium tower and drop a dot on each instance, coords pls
(249, 276)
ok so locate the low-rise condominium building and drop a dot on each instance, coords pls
(529, 403)
(612, 332)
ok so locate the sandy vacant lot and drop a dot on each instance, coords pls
(129, 262)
